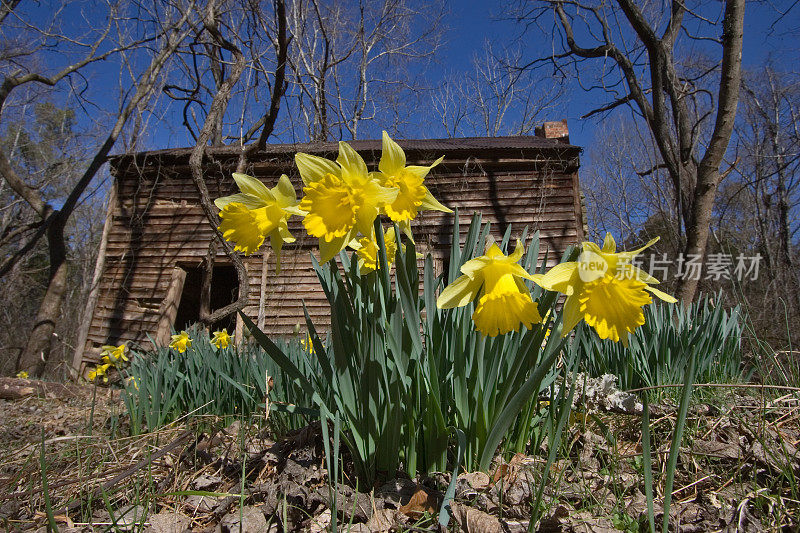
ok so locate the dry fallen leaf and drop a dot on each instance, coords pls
(500, 472)
(477, 480)
(321, 522)
(420, 503)
(59, 518)
(382, 520)
(722, 450)
(474, 521)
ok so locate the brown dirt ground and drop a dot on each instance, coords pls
(738, 470)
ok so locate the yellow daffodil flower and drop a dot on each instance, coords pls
(22, 375)
(412, 195)
(341, 198)
(604, 289)
(505, 301)
(248, 217)
(180, 342)
(221, 339)
(307, 344)
(99, 371)
(367, 250)
(114, 355)
(132, 381)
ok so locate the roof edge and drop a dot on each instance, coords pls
(455, 144)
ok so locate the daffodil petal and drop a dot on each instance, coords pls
(253, 187)
(609, 244)
(570, 315)
(313, 168)
(381, 195)
(365, 218)
(249, 201)
(284, 192)
(284, 233)
(329, 249)
(493, 251)
(661, 294)
(353, 166)
(630, 271)
(518, 271)
(517, 254)
(628, 256)
(461, 292)
(405, 227)
(473, 267)
(591, 247)
(431, 203)
(423, 171)
(560, 278)
(393, 159)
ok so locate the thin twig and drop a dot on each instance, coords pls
(720, 385)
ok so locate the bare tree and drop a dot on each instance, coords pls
(220, 38)
(623, 186)
(637, 48)
(765, 192)
(348, 60)
(495, 97)
(52, 220)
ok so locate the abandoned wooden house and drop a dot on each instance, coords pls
(148, 271)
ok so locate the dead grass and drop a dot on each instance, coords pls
(738, 469)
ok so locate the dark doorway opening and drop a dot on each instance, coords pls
(224, 291)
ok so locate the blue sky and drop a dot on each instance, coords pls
(473, 21)
(470, 23)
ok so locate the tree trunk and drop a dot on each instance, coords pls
(698, 229)
(205, 283)
(37, 350)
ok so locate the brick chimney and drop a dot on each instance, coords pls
(554, 130)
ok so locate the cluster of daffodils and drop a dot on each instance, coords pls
(341, 200)
(181, 341)
(111, 357)
(603, 288)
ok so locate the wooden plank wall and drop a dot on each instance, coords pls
(158, 225)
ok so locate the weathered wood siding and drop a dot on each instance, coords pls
(157, 224)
